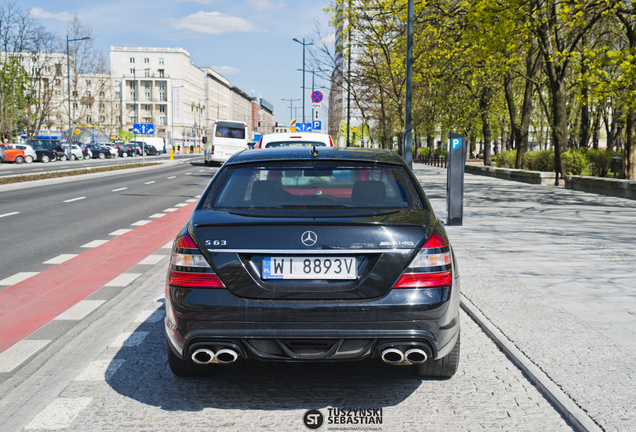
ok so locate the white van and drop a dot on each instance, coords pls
(226, 138)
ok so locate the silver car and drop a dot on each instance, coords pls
(111, 147)
(29, 153)
(76, 151)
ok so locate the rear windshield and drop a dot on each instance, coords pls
(294, 143)
(230, 130)
(310, 186)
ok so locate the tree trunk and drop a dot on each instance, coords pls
(505, 143)
(484, 108)
(560, 122)
(629, 159)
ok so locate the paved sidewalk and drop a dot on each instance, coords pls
(555, 271)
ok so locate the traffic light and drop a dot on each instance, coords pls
(259, 124)
(276, 124)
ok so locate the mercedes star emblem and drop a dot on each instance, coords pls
(309, 238)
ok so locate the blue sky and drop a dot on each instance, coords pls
(248, 41)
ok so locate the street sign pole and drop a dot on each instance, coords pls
(455, 179)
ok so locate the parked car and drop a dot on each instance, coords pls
(124, 150)
(140, 148)
(52, 144)
(85, 151)
(111, 147)
(98, 151)
(76, 151)
(29, 153)
(3, 156)
(302, 254)
(295, 139)
(151, 150)
(12, 154)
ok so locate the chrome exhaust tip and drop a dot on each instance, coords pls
(203, 356)
(226, 356)
(392, 356)
(416, 356)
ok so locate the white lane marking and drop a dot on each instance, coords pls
(201, 170)
(128, 339)
(152, 259)
(79, 310)
(188, 173)
(197, 196)
(157, 215)
(9, 214)
(100, 370)
(59, 414)
(60, 259)
(123, 279)
(120, 189)
(94, 243)
(75, 199)
(150, 182)
(140, 223)
(151, 316)
(169, 178)
(171, 209)
(18, 277)
(192, 200)
(168, 245)
(19, 352)
(181, 205)
(120, 232)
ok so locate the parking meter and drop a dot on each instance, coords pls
(455, 179)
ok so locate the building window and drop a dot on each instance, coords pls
(162, 120)
(147, 73)
(147, 85)
(89, 119)
(132, 120)
(102, 94)
(74, 93)
(162, 96)
(102, 119)
(132, 59)
(116, 106)
(162, 109)
(132, 95)
(101, 107)
(88, 82)
(132, 71)
(162, 86)
(57, 82)
(146, 60)
(89, 106)
(132, 84)
(87, 93)
(58, 69)
(148, 96)
(147, 119)
(74, 105)
(147, 108)
(133, 108)
(160, 61)
(58, 92)
(161, 72)
(118, 119)
(118, 95)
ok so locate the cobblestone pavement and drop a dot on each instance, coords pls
(554, 270)
(117, 378)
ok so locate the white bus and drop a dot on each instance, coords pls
(226, 138)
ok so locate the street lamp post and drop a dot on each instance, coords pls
(291, 107)
(68, 72)
(408, 134)
(172, 116)
(304, 45)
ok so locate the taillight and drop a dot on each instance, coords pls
(432, 267)
(189, 268)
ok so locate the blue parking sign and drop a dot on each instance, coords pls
(317, 125)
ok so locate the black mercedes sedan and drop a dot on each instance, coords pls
(313, 254)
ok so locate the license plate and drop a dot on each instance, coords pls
(309, 268)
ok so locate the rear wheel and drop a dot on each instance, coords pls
(28, 159)
(442, 368)
(186, 367)
(124, 155)
(102, 156)
(62, 158)
(73, 157)
(19, 159)
(45, 159)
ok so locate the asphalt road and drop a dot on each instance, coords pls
(41, 223)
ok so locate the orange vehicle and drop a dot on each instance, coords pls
(13, 155)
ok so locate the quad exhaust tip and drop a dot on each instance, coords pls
(205, 356)
(394, 356)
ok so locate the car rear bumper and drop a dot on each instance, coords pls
(347, 330)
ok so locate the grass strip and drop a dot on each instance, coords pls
(58, 174)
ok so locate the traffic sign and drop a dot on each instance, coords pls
(303, 127)
(317, 125)
(316, 97)
(355, 129)
(143, 128)
(316, 105)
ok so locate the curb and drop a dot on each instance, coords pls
(67, 179)
(570, 410)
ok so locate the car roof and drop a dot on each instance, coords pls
(324, 153)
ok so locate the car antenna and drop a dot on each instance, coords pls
(314, 152)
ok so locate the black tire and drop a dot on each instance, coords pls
(124, 155)
(19, 160)
(62, 158)
(45, 159)
(28, 159)
(442, 368)
(102, 156)
(73, 157)
(186, 367)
